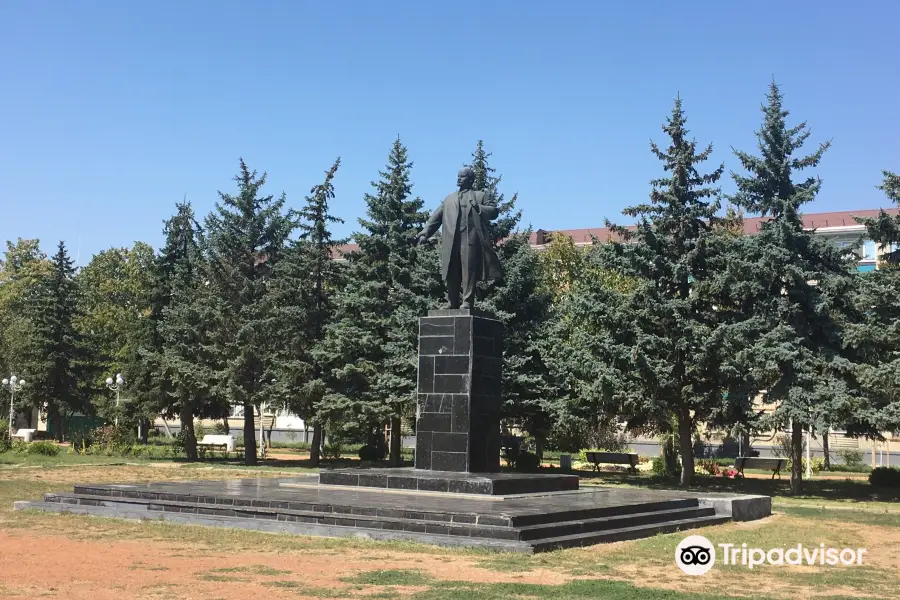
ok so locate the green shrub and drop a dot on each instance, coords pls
(659, 465)
(44, 448)
(661, 468)
(371, 452)
(81, 441)
(860, 468)
(885, 477)
(4, 436)
(292, 445)
(332, 451)
(527, 461)
(816, 465)
(851, 458)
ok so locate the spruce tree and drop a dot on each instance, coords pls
(372, 344)
(186, 362)
(246, 236)
(520, 301)
(486, 180)
(301, 299)
(885, 229)
(793, 285)
(876, 336)
(55, 361)
(651, 355)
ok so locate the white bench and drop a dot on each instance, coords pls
(612, 458)
(218, 441)
(756, 462)
(25, 434)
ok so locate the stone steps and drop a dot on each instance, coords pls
(612, 523)
(517, 533)
(624, 533)
(412, 525)
(135, 513)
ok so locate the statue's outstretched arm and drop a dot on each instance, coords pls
(433, 223)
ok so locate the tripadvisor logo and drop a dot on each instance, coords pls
(696, 555)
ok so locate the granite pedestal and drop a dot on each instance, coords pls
(305, 506)
(488, 484)
(458, 412)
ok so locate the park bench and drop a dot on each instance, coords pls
(756, 462)
(225, 442)
(612, 458)
(25, 434)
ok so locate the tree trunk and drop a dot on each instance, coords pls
(315, 448)
(395, 442)
(226, 425)
(539, 448)
(826, 450)
(249, 434)
(685, 441)
(796, 457)
(189, 439)
(54, 419)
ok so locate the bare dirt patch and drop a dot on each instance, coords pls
(55, 566)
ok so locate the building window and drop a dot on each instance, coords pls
(868, 250)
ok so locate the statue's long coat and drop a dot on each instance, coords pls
(447, 218)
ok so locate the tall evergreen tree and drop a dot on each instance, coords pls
(520, 301)
(56, 355)
(246, 237)
(651, 355)
(885, 229)
(876, 336)
(794, 285)
(372, 343)
(302, 298)
(186, 360)
(22, 269)
(523, 304)
(486, 180)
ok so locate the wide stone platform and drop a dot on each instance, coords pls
(305, 506)
(491, 484)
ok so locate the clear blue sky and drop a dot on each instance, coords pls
(111, 111)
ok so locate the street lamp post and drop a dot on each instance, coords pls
(14, 384)
(116, 386)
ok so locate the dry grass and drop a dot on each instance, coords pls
(72, 556)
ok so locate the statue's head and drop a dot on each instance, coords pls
(466, 178)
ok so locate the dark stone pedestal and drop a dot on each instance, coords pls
(460, 365)
(491, 484)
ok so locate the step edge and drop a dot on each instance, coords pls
(714, 520)
(670, 511)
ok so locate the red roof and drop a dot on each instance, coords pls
(751, 225)
(540, 237)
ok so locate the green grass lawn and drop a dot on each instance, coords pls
(838, 513)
